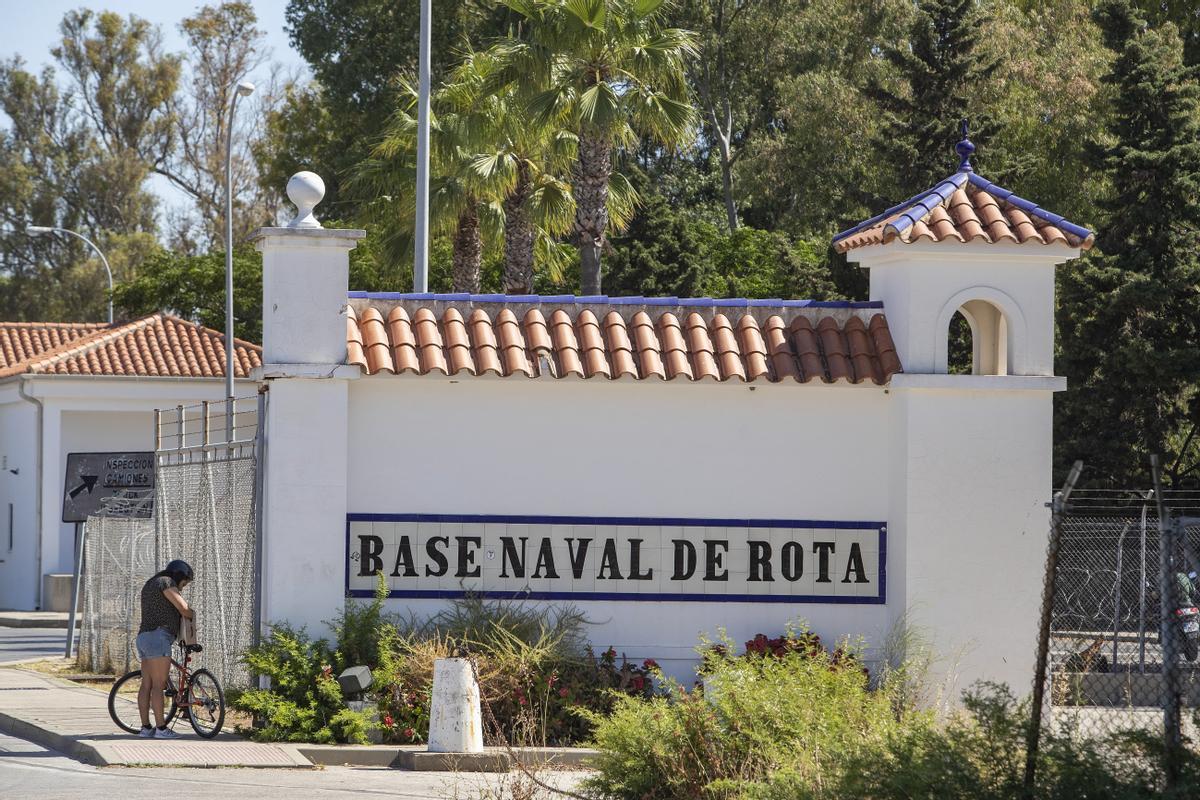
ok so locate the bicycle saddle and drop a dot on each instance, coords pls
(194, 648)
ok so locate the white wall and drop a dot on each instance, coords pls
(624, 448)
(969, 524)
(18, 451)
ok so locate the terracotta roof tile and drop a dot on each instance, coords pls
(807, 349)
(156, 346)
(621, 338)
(965, 208)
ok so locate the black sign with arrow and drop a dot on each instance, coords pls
(108, 484)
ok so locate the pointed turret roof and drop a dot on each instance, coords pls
(965, 208)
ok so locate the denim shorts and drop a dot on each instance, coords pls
(155, 644)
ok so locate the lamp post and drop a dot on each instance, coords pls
(38, 230)
(243, 89)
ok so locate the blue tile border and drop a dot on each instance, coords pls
(569, 299)
(880, 527)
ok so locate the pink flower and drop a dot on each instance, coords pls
(409, 733)
(563, 692)
(521, 700)
(388, 721)
(649, 663)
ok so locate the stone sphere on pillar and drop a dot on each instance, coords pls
(305, 190)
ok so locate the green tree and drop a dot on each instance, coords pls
(610, 72)
(55, 171)
(754, 263)
(224, 45)
(1184, 14)
(168, 114)
(941, 69)
(665, 250)
(807, 167)
(355, 49)
(1129, 315)
(193, 287)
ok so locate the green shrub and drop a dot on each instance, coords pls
(304, 703)
(980, 754)
(794, 713)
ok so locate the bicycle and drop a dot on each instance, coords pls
(196, 694)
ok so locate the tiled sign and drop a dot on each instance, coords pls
(617, 558)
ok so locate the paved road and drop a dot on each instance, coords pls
(30, 771)
(18, 644)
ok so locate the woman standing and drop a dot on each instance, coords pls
(162, 608)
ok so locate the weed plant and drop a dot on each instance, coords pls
(533, 665)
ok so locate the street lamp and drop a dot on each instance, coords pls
(243, 89)
(38, 230)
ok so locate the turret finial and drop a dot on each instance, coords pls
(964, 149)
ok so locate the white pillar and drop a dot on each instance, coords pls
(305, 274)
(455, 722)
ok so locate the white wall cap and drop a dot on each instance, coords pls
(975, 252)
(1007, 383)
(344, 372)
(307, 237)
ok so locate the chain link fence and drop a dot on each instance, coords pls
(205, 512)
(118, 556)
(1119, 630)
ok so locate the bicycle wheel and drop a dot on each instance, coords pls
(205, 703)
(122, 701)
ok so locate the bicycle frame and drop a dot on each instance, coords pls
(184, 676)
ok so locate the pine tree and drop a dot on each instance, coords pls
(941, 69)
(1129, 314)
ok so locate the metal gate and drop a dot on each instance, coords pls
(207, 484)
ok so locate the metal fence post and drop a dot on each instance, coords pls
(260, 446)
(1172, 738)
(1058, 508)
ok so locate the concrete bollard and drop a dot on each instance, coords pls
(455, 722)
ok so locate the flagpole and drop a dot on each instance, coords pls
(421, 244)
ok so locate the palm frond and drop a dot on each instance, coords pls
(599, 107)
(623, 201)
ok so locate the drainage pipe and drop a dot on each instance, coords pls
(41, 411)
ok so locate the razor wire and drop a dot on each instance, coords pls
(1108, 670)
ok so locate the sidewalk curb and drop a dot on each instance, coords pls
(416, 758)
(67, 745)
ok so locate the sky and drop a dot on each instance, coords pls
(30, 29)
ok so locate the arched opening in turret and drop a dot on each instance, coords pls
(960, 355)
(978, 340)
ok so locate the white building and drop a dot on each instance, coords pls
(67, 388)
(731, 463)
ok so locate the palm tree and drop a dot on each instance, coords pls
(460, 202)
(610, 72)
(519, 161)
